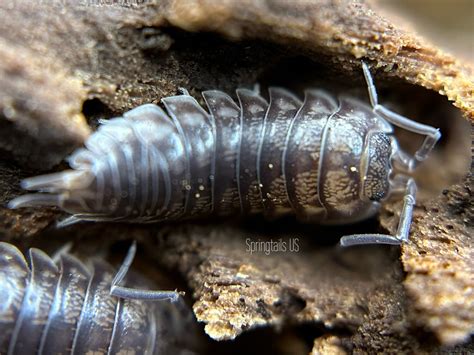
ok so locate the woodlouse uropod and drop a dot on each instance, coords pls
(324, 162)
(68, 307)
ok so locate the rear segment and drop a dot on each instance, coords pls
(133, 168)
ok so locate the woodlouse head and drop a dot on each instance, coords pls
(376, 183)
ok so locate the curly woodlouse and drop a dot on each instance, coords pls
(324, 162)
(67, 307)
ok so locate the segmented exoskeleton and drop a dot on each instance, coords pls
(67, 307)
(323, 160)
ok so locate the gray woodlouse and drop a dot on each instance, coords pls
(324, 162)
(67, 307)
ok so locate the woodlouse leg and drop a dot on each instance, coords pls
(404, 223)
(256, 89)
(432, 134)
(183, 91)
(401, 159)
(65, 249)
(78, 218)
(132, 293)
(68, 221)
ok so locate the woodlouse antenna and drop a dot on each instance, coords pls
(131, 293)
(432, 134)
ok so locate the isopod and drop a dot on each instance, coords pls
(67, 307)
(324, 161)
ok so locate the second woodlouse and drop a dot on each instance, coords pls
(72, 307)
(324, 162)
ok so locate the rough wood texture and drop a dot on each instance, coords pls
(65, 62)
(237, 291)
(41, 106)
(343, 30)
(440, 266)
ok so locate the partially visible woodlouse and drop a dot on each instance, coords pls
(323, 161)
(63, 308)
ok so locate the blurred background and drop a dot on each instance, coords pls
(447, 23)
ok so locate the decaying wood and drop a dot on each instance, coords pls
(41, 103)
(344, 30)
(440, 266)
(237, 291)
(65, 64)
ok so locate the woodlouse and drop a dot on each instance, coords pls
(323, 161)
(67, 307)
